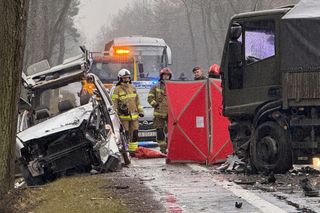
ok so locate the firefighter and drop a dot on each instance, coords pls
(198, 73)
(158, 100)
(214, 71)
(127, 105)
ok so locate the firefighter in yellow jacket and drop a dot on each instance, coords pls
(127, 105)
(158, 100)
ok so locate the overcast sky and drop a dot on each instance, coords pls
(94, 14)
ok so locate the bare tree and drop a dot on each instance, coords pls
(56, 28)
(188, 4)
(12, 34)
(50, 30)
(194, 29)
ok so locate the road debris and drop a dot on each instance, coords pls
(122, 187)
(244, 182)
(233, 164)
(147, 178)
(308, 189)
(304, 170)
(238, 205)
(270, 179)
(97, 198)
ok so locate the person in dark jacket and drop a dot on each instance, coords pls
(198, 73)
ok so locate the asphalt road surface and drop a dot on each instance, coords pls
(197, 188)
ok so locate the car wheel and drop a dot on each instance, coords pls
(270, 148)
(124, 149)
(30, 180)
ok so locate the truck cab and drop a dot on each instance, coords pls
(270, 78)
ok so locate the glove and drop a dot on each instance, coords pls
(141, 114)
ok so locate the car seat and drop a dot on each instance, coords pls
(65, 105)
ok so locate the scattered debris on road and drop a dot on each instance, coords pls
(238, 205)
(308, 189)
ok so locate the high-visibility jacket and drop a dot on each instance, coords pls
(126, 102)
(157, 98)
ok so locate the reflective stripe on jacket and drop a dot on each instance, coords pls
(157, 98)
(126, 102)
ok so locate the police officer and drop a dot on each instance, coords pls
(158, 100)
(127, 105)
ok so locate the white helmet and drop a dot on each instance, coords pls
(123, 72)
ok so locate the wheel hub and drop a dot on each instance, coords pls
(267, 149)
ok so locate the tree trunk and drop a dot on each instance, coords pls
(62, 47)
(12, 41)
(56, 27)
(193, 43)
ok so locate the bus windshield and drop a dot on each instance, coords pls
(148, 61)
(108, 71)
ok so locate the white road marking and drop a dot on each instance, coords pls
(261, 204)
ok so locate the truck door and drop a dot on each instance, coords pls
(251, 78)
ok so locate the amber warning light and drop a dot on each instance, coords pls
(122, 52)
(316, 162)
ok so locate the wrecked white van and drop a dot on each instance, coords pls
(66, 130)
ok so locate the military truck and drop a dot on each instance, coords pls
(271, 85)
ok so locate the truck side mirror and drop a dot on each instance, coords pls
(235, 31)
(235, 55)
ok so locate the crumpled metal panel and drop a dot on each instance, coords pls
(67, 120)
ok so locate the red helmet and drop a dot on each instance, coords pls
(165, 70)
(214, 70)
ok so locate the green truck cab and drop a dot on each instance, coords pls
(271, 85)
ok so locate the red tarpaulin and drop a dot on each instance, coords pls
(220, 146)
(188, 118)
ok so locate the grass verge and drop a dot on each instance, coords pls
(80, 194)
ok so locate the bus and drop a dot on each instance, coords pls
(143, 56)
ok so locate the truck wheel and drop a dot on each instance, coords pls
(30, 180)
(270, 148)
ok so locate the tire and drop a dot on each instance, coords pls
(124, 151)
(30, 180)
(270, 149)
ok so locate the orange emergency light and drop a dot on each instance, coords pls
(122, 51)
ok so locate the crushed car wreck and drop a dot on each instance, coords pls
(69, 129)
